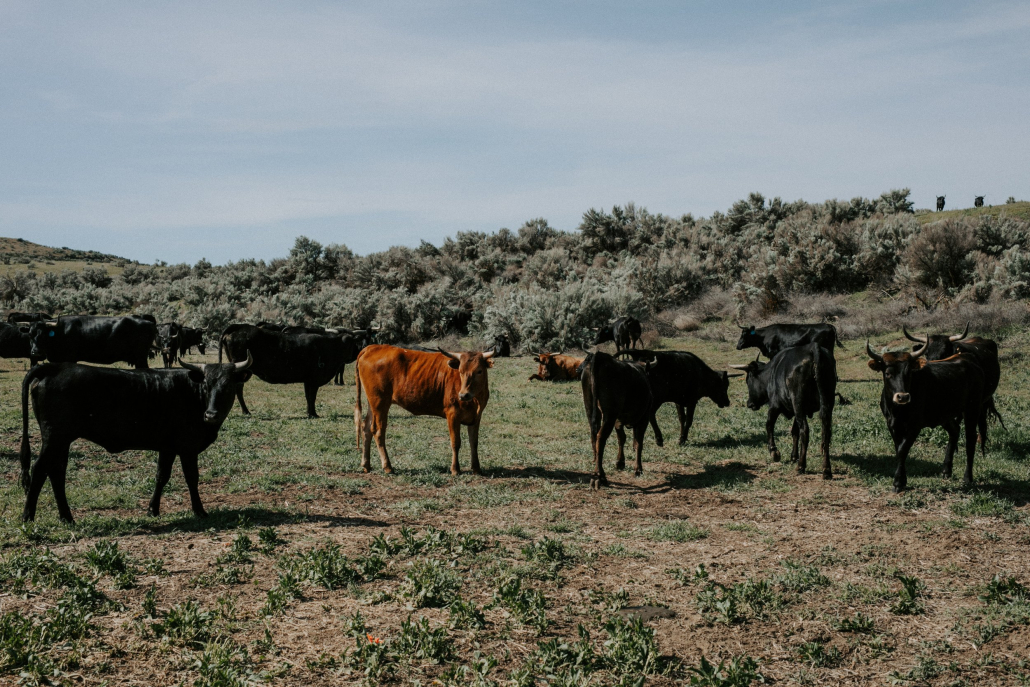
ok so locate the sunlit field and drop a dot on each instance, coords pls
(310, 572)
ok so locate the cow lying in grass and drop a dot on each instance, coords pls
(555, 367)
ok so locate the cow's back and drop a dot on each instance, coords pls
(102, 340)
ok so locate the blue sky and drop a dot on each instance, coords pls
(183, 130)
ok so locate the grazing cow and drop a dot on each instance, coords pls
(169, 339)
(625, 332)
(190, 337)
(978, 201)
(27, 317)
(173, 412)
(14, 343)
(683, 379)
(85, 338)
(777, 337)
(555, 367)
(501, 346)
(984, 352)
(918, 394)
(288, 357)
(797, 382)
(616, 394)
(940, 203)
(454, 386)
(364, 337)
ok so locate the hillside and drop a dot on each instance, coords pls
(1020, 210)
(19, 254)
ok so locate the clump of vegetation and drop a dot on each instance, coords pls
(735, 603)
(527, 606)
(908, 596)
(739, 671)
(430, 583)
(328, 567)
(186, 624)
(677, 531)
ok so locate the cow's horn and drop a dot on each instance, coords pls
(489, 354)
(448, 354)
(191, 367)
(740, 367)
(332, 331)
(960, 336)
(246, 363)
(51, 323)
(729, 376)
(874, 356)
(911, 337)
(918, 352)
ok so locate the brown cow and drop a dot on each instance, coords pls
(555, 367)
(448, 385)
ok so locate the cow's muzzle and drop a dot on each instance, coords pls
(902, 399)
(211, 417)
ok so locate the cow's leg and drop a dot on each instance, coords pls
(686, 418)
(39, 474)
(310, 393)
(474, 447)
(239, 396)
(770, 428)
(620, 434)
(57, 468)
(377, 418)
(902, 447)
(165, 460)
(802, 421)
(658, 438)
(826, 420)
(600, 479)
(949, 453)
(192, 474)
(638, 447)
(365, 423)
(971, 420)
(454, 429)
(795, 430)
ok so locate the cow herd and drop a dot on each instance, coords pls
(944, 381)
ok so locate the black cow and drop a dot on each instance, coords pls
(978, 201)
(364, 337)
(797, 382)
(104, 340)
(984, 352)
(940, 203)
(148, 318)
(616, 394)
(683, 379)
(777, 337)
(169, 339)
(15, 343)
(289, 357)
(918, 394)
(625, 332)
(173, 412)
(190, 337)
(27, 317)
(501, 346)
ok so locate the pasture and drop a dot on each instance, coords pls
(310, 572)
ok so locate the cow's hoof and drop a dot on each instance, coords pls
(827, 475)
(776, 456)
(898, 489)
(477, 472)
(659, 442)
(200, 513)
(313, 417)
(621, 465)
(154, 512)
(388, 471)
(365, 469)
(638, 473)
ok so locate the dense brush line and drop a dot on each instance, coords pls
(545, 287)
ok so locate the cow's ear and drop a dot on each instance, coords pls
(489, 362)
(876, 365)
(453, 364)
(921, 363)
(536, 358)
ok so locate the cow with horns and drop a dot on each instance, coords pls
(556, 367)
(940, 203)
(173, 412)
(920, 393)
(617, 394)
(454, 386)
(797, 382)
(683, 379)
(624, 331)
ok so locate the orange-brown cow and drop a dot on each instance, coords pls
(448, 385)
(555, 367)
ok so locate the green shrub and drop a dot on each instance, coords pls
(430, 583)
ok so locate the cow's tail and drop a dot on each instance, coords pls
(357, 404)
(993, 410)
(26, 451)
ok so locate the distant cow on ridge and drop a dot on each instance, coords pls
(978, 202)
(940, 203)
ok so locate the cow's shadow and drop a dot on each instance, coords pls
(230, 518)
(730, 441)
(884, 464)
(725, 475)
(538, 472)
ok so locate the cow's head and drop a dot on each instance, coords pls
(720, 392)
(548, 369)
(605, 333)
(897, 369)
(40, 336)
(471, 368)
(757, 391)
(938, 346)
(220, 380)
(748, 338)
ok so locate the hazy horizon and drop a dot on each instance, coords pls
(180, 131)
